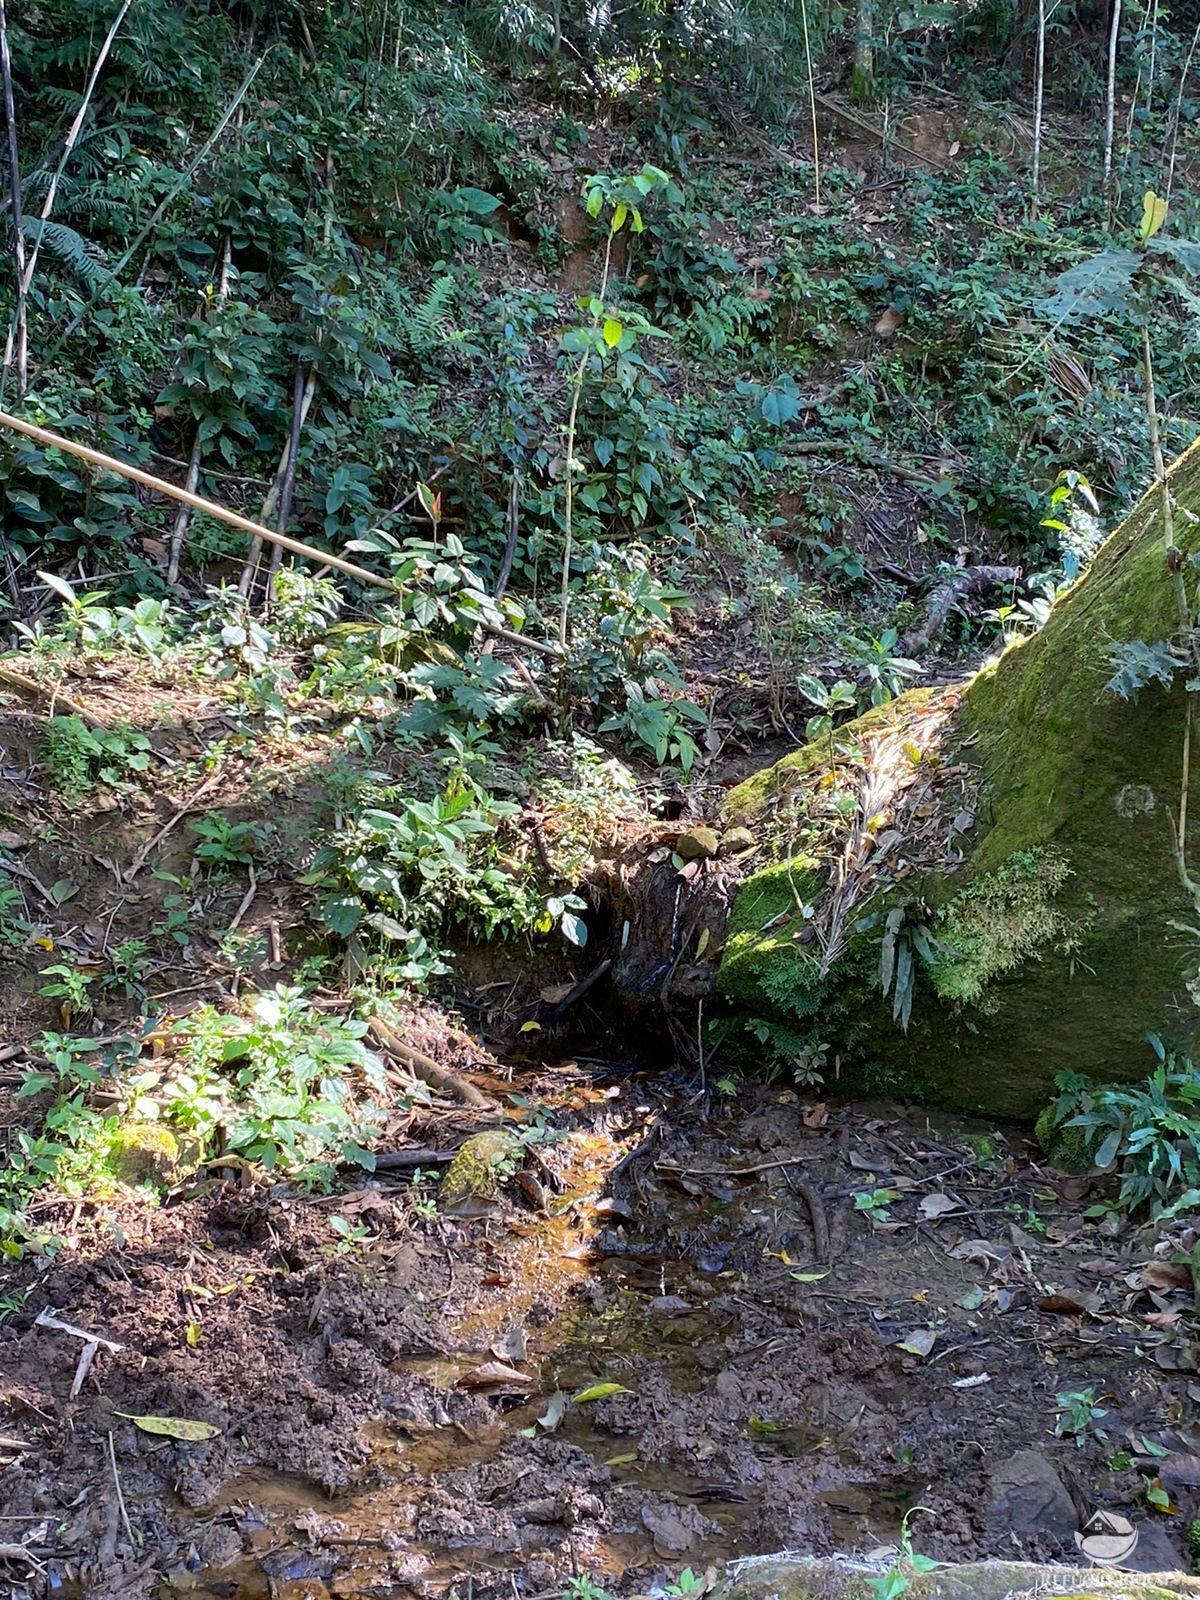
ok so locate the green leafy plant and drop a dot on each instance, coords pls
(1148, 1133)
(79, 757)
(224, 843)
(876, 1203)
(909, 1563)
(1078, 1415)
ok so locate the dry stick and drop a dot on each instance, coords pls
(26, 280)
(569, 505)
(817, 1213)
(1110, 107)
(172, 822)
(192, 482)
(14, 181)
(299, 411)
(302, 400)
(427, 1069)
(1039, 92)
(1183, 77)
(184, 179)
(42, 691)
(222, 513)
(812, 105)
(116, 1477)
(197, 502)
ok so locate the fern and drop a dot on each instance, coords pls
(81, 255)
(425, 332)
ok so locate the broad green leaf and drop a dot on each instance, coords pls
(612, 332)
(60, 586)
(595, 200)
(1154, 214)
(618, 217)
(599, 1391)
(811, 1277)
(173, 1427)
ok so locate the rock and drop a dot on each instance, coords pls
(787, 1578)
(736, 841)
(1155, 1551)
(697, 844)
(474, 1172)
(675, 1528)
(144, 1152)
(1028, 1497)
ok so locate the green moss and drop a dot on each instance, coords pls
(996, 923)
(1059, 921)
(1193, 1539)
(1067, 1147)
(143, 1152)
(475, 1171)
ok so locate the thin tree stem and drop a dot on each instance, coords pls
(1039, 91)
(1110, 106)
(569, 501)
(812, 103)
(14, 180)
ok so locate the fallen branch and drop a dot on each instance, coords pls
(971, 580)
(402, 1160)
(47, 1319)
(43, 691)
(578, 991)
(427, 1069)
(173, 821)
(817, 1214)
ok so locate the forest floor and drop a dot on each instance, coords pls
(804, 1318)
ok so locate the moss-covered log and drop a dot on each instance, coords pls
(1061, 926)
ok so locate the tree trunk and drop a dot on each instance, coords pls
(862, 81)
(1024, 825)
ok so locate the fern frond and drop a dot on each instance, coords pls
(81, 255)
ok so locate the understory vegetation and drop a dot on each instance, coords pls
(647, 395)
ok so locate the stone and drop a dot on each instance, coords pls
(1155, 1551)
(736, 841)
(1028, 1497)
(697, 844)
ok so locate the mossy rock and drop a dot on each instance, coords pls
(1059, 922)
(474, 1174)
(144, 1152)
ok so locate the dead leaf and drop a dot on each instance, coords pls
(496, 1375)
(556, 1410)
(937, 1205)
(889, 322)
(512, 1347)
(1162, 1275)
(815, 1116)
(1061, 1305)
(982, 1251)
(919, 1342)
(972, 1382)
(172, 1427)
(608, 1207)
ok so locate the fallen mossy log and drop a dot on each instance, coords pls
(804, 1578)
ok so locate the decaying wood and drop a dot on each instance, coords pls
(427, 1069)
(971, 580)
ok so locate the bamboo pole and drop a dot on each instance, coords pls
(187, 498)
(211, 508)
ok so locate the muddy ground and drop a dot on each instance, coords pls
(398, 1419)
